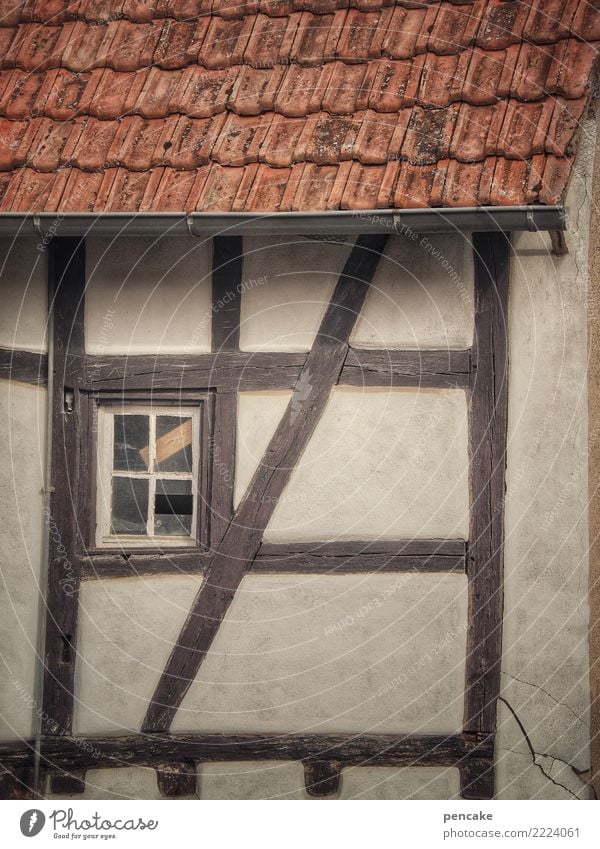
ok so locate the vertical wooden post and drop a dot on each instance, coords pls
(487, 448)
(228, 264)
(227, 269)
(66, 297)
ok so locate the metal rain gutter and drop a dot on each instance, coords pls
(45, 225)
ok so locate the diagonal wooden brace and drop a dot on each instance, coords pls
(241, 541)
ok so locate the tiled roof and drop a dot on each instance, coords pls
(181, 105)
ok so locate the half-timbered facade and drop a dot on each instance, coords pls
(294, 392)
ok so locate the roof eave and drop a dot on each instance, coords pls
(336, 222)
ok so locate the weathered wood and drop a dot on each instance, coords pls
(154, 750)
(310, 558)
(243, 536)
(177, 779)
(66, 297)
(348, 557)
(23, 366)
(477, 779)
(16, 782)
(223, 446)
(228, 258)
(245, 371)
(487, 445)
(101, 564)
(321, 778)
(437, 369)
(68, 783)
(225, 370)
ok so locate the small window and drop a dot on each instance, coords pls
(148, 473)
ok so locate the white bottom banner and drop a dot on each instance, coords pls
(271, 825)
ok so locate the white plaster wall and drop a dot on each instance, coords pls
(381, 463)
(285, 780)
(287, 285)
(123, 783)
(23, 286)
(295, 653)
(147, 296)
(545, 665)
(22, 465)
(126, 630)
(421, 295)
(273, 780)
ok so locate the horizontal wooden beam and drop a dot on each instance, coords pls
(24, 366)
(158, 749)
(435, 555)
(435, 369)
(227, 370)
(234, 370)
(345, 557)
(113, 565)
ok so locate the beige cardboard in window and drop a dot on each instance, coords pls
(170, 443)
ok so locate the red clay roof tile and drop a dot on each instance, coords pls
(89, 151)
(314, 42)
(11, 134)
(47, 146)
(280, 142)
(192, 141)
(454, 27)
(240, 139)
(225, 42)
(179, 43)
(362, 188)
(461, 184)
(586, 21)
(290, 104)
(80, 46)
(200, 95)
(60, 94)
(501, 24)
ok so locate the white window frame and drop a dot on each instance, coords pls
(106, 473)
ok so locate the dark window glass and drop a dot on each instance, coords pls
(129, 512)
(132, 435)
(173, 444)
(173, 508)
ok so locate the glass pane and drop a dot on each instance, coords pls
(132, 434)
(173, 508)
(129, 512)
(173, 444)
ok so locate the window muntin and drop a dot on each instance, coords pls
(148, 459)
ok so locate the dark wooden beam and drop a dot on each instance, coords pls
(23, 366)
(155, 750)
(487, 448)
(246, 371)
(436, 555)
(16, 782)
(102, 564)
(66, 267)
(228, 260)
(477, 779)
(348, 557)
(437, 369)
(225, 370)
(321, 778)
(177, 779)
(68, 783)
(243, 536)
(223, 447)
(66, 297)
